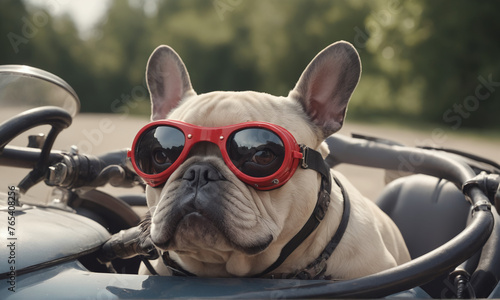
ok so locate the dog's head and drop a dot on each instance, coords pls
(210, 204)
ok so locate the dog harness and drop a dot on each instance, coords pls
(316, 269)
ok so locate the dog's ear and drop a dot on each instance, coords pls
(326, 85)
(168, 81)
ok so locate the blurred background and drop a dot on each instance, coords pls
(424, 62)
(430, 68)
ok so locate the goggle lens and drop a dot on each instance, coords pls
(158, 148)
(256, 152)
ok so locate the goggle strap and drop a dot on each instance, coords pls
(312, 159)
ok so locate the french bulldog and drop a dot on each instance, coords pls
(212, 214)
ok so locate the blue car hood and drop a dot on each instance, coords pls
(41, 236)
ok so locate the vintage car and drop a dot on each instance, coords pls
(444, 201)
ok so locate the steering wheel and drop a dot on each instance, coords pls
(22, 86)
(56, 117)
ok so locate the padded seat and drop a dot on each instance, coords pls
(428, 211)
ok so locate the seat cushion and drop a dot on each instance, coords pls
(428, 211)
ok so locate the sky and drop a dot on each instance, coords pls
(85, 13)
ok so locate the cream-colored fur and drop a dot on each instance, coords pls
(371, 243)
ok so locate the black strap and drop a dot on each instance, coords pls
(334, 242)
(176, 269)
(312, 159)
(306, 230)
(149, 266)
(317, 268)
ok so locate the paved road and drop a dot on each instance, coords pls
(96, 134)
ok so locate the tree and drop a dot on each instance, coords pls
(421, 59)
(442, 52)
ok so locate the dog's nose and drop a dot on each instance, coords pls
(201, 174)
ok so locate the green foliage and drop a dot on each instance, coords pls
(427, 60)
(435, 57)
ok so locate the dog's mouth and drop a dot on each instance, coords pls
(194, 230)
(188, 229)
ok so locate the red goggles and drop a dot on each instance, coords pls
(260, 154)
